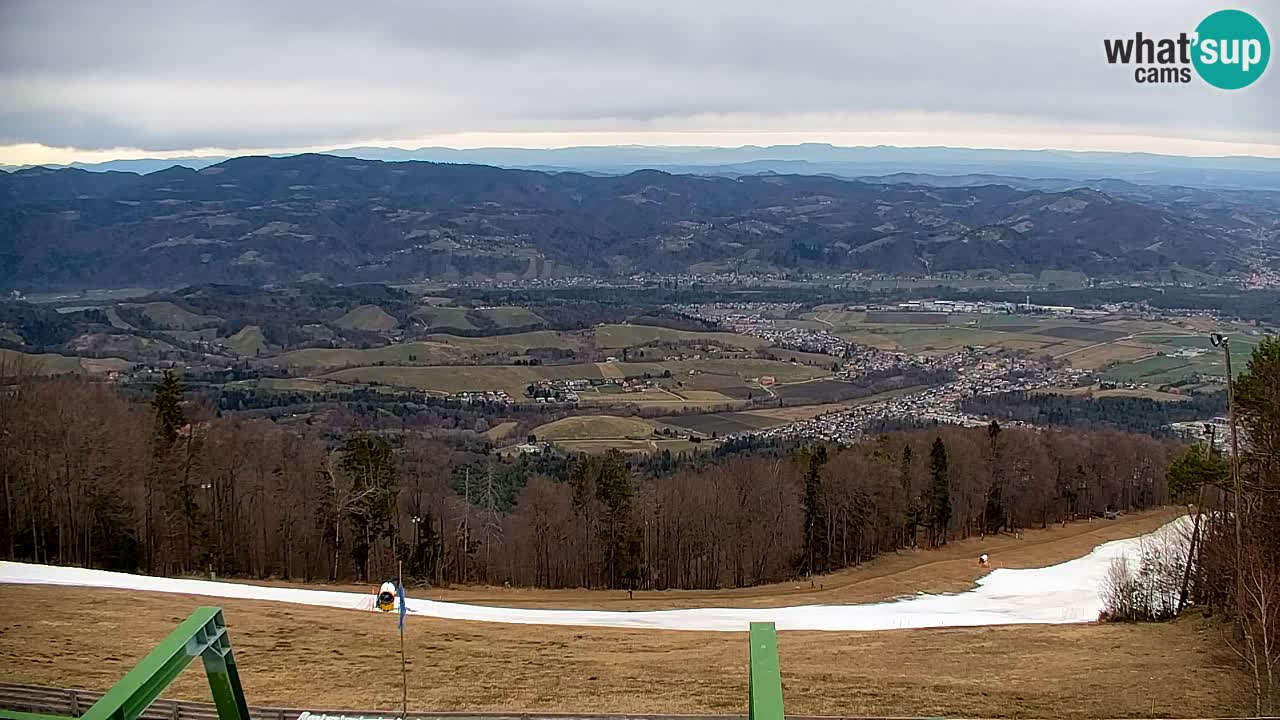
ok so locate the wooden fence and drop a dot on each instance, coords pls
(72, 702)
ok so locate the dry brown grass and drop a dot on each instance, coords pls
(1096, 357)
(301, 656)
(304, 656)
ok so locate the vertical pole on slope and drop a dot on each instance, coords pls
(1191, 554)
(764, 693)
(404, 668)
(1235, 473)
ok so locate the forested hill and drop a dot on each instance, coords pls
(259, 220)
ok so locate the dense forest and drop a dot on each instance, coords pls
(94, 478)
(1136, 414)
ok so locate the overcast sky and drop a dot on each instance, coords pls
(96, 80)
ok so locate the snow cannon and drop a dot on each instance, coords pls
(386, 601)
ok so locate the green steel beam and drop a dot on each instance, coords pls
(765, 689)
(203, 635)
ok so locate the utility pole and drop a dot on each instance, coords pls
(404, 663)
(1224, 342)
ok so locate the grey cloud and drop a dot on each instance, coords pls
(172, 76)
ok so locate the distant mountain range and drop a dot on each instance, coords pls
(258, 220)
(820, 159)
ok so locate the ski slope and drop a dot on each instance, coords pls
(1064, 593)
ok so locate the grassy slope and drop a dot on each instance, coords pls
(512, 378)
(619, 336)
(350, 659)
(367, 317)
(505, 317)
(595, 426)
(170, 316)
(43, 364)
(444, 317)
(248, 340)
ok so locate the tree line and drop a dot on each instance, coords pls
(1235, 535)
(93, 478)
(1134, 414)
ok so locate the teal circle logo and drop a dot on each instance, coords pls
(1232, 49)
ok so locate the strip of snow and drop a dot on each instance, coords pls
(1064, 593)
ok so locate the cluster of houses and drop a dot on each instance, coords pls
(482, 397)
(977, 375)
(567, 391)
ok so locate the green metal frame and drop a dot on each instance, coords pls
(765, 690)
(202, 635)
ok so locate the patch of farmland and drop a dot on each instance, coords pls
(248, 340)
(444, 317)
(724, 423)
(619, 336)
(426, 353)
(370, 318)
(582, 427)
(168, 316)
(511, 317)
(42, 364)
(748, 368)
(1082, 332)
(1147, 370)
(1099, 356)
(906, 318)
(514, 379)
(515, 343)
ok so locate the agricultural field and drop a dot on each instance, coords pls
(804, 358)
(906, 318)
(425, 353)
(1096, 357)
(203, 335)
(248, 340)
(1063, 279)
(723, 423)
(595, 427)
(42, 364)
(166, 315)
(369, 318)
(515, 343)
(609, 337)
(513, 379)
(441, 318)
(435, 349)
(511, 317)
(600, 433)
(664, 398)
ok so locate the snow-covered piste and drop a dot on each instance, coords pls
(1064, 593)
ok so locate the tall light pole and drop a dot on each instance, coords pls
(1224, 342)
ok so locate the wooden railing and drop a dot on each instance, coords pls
(72, 702)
